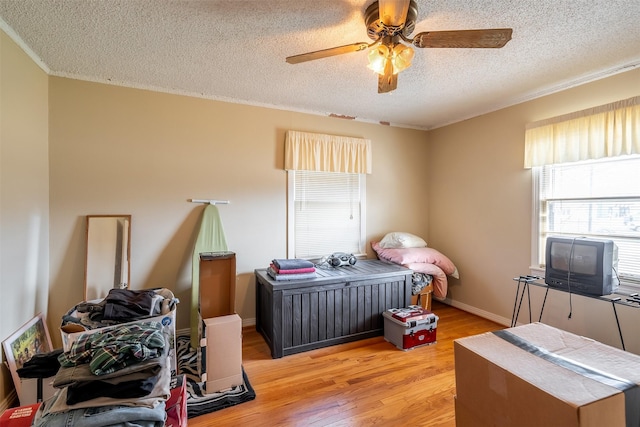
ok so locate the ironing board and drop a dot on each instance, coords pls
(211, 238)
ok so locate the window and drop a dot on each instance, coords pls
(326, 213)
(599, 199)
(326, 193)
(586, 168)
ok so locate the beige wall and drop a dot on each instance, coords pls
(480, 203)
(127, 151)
(24, 195)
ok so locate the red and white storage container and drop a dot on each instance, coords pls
(410, 327)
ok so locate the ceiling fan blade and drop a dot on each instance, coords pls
(393, 13)
(324, 53)
(387, 84)
(387, 81)
(490, 38)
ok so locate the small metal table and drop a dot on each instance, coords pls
(525, 281)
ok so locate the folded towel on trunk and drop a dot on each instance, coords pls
(292, 264)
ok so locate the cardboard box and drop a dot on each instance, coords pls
(21, 416)
(217, 291)
(410, 327)
(222, 348)
(201, 351)
(536, 375)
(28, 394)
(71, 332)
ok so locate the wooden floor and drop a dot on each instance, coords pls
(364, 383)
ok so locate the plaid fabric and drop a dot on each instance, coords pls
(114, 349)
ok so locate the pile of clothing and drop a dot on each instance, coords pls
(119, 306)
(119, 376)
(291, 269)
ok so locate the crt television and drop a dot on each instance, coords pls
(581, 265)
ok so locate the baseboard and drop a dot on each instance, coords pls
(474, 310)
(9, 401)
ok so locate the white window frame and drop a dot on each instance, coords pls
(291, 249)
(537, 268)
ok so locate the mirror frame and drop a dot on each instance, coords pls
(96, 292)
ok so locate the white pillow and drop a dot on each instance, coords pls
(398, 240)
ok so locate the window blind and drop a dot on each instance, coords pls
(328, 211)
(599, 199)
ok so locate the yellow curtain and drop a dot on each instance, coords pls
(326, 153)
(606, 131)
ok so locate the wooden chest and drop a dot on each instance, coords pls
(341, 304)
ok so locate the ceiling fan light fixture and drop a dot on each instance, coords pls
(389, 24)
(378, 58)
(402, 57)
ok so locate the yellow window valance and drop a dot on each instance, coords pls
(326, 153)
(609, 130)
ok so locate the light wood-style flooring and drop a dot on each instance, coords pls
(365, 383)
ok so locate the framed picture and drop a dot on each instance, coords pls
(32, 338)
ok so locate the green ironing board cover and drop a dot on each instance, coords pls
(210, 239)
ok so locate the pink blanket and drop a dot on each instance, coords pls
(422, 260)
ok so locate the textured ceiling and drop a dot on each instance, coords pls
(235, 51)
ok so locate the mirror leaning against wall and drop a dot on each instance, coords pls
(108, 255)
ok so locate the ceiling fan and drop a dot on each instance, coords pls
(389, 24)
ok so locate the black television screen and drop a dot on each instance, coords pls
(581, 265)
(581, 259)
